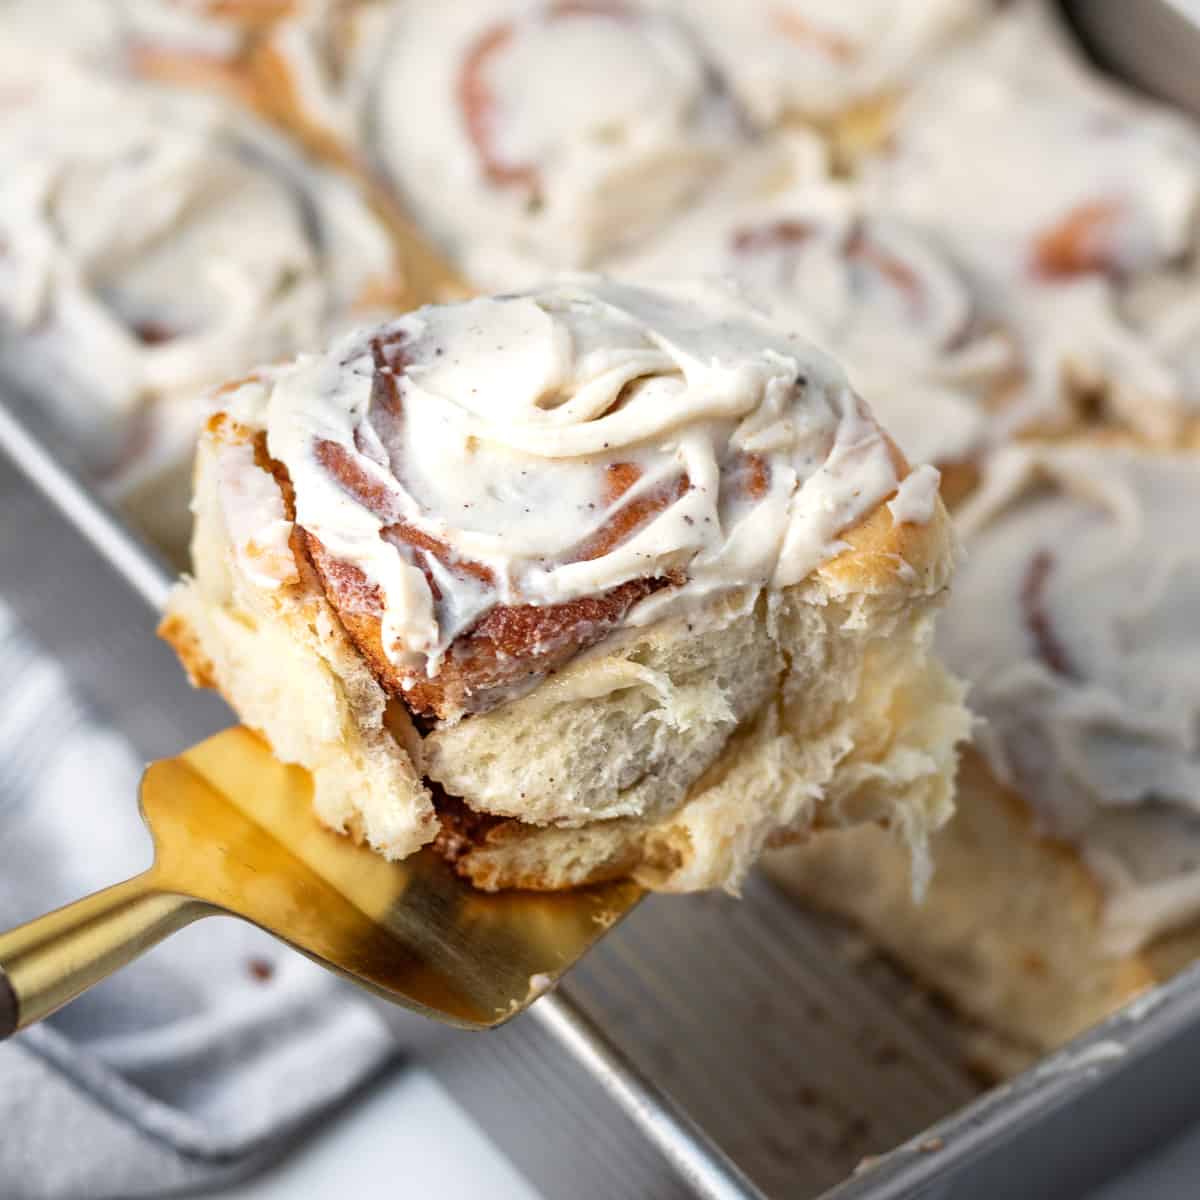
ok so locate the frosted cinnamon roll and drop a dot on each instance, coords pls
(869, 288)
(1068, 879)
(1054, 190)
(291, 60)
(154, 242)
(588, 582)
(532, 137)
(840, 66)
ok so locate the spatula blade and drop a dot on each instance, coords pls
(235, 827)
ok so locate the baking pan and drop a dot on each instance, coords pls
(710, 1046)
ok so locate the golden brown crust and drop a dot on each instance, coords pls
(255, 74)
(881, 551)
(182, 638)
(480, 848)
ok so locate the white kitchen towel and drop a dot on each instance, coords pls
(193, 1066)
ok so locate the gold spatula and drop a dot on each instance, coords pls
(234, 832)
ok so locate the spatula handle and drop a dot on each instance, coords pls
(51, 959)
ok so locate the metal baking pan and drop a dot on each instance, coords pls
(710, 1046)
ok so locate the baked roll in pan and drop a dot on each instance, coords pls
(1067, 881)
(157, 242)
(1107, 197)
(590, 582)
(877, 292)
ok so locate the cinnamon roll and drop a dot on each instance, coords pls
(1055, 191)
(871, 289)
(1068, 879)
(587, 582)
(154, 242)
(292, 61)
(529, 138)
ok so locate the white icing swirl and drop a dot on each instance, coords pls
(155, 241)
(534, 137)
(871, 290)
(744, 448)
(1075, 620)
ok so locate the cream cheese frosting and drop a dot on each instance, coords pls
(1074, 621)
(871, 289)
(739, 454)
(154, 241)
(815, 58)
(1052, 189)
(531, 137)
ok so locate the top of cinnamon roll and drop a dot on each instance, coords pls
(508, 478)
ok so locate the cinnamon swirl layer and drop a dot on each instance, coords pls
(554, 552)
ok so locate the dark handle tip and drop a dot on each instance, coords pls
(10, 1010)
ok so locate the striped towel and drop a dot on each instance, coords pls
(192, 1067)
